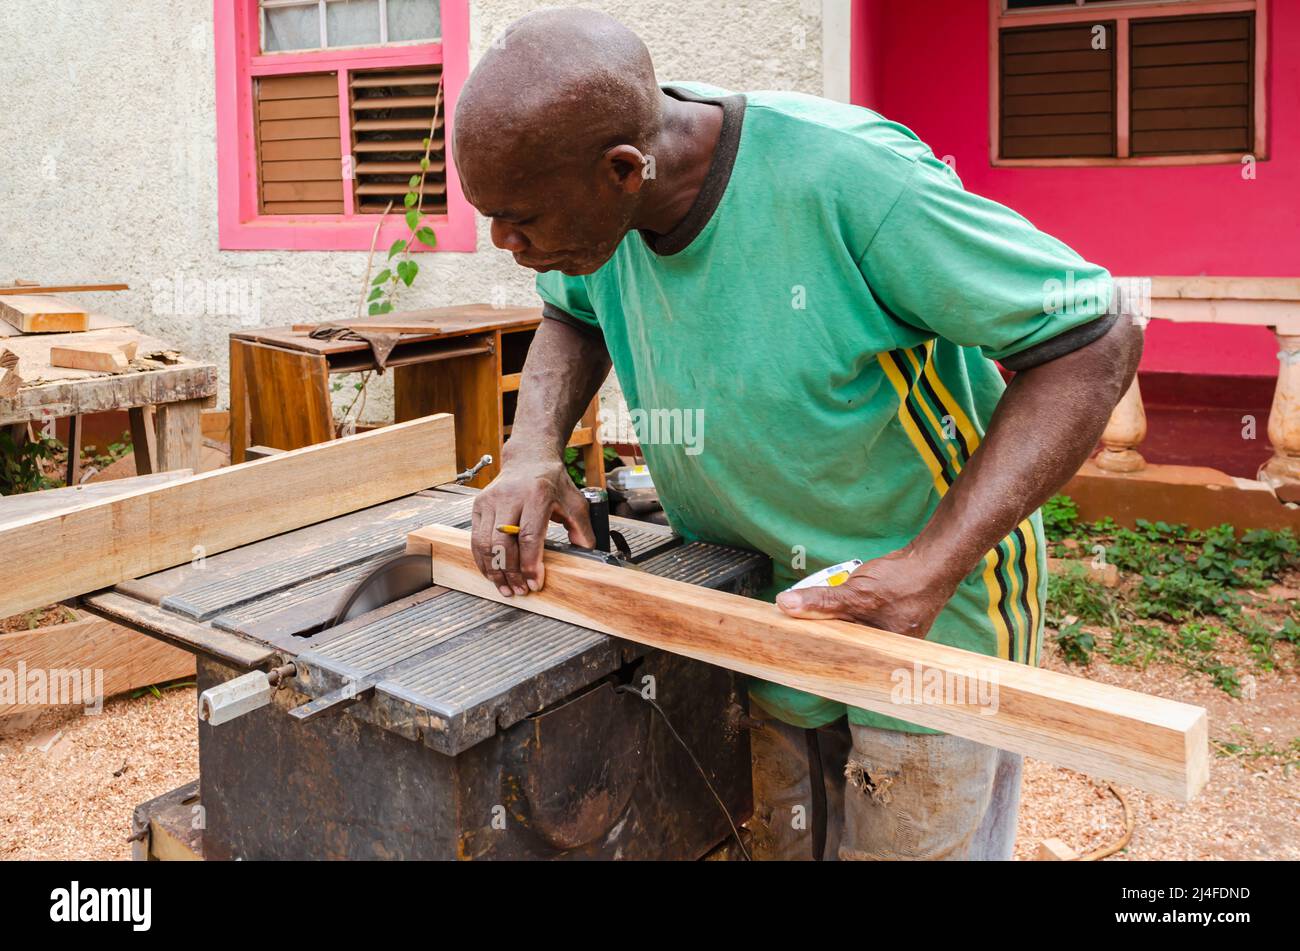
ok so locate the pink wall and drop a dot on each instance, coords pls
(925, 63)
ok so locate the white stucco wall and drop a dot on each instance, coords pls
(108, 157)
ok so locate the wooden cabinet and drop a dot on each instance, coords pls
(468, 363)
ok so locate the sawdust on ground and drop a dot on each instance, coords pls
(69, 782)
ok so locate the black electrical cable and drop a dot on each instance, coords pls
(817, 786)
(626, 688)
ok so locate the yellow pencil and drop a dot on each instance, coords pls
(508, 529)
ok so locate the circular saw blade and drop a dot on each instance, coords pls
(395, 579)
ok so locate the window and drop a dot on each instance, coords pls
(323, 111)
(321, 24)
(1127, 82)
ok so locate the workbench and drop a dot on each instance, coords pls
(477, 730)
(465, 360)
(163, 402)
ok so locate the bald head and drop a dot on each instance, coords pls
(564, 80)
(553, 133)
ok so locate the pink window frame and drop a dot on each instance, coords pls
(239, 61)
(1123, 13)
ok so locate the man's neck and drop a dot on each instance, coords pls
(683, 153)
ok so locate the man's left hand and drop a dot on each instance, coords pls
(898, 592)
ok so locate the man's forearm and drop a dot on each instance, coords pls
(564, 370)
(1045, 426)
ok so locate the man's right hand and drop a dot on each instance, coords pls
(529, 494)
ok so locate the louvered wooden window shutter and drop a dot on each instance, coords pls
(299, 148)
(391, 116)
(1057, 92)
(1192, 85)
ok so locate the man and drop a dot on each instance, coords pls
(816, 286)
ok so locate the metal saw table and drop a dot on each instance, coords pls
(484, 731)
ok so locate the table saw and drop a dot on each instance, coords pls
(445, 726)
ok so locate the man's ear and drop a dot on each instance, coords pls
(626, 167)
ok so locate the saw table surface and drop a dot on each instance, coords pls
(449, 669)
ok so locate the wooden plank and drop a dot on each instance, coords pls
(1188, 97)
(300, 150)
(1190, 30)
(319, 170)
(1227, 117)
(1190, 140)
(59, 288)
(280, 129)
(1100, 124)
(1211, 75)
(103, 543)
(51, 501)
(1227, 288)
(180, 436)
(299, 108)
(1054, 850)
(1057, 104)
(378, 80)
(33, 313)
(371, 103)
(288, 398)
(1047, 146)
(100, 394)
(303, 191)
(1054, 39)
(106, 357)
(1091, 81)
(125, 659)
(1082, 58)
(1157, 745)
(1187, 54)
(144, 439)
(303, 208)
(396, 145)
(440, 321)
(188, 635)
(467, 388)
(297, 87)
(400, 188)
(398, 168)
(412, 123)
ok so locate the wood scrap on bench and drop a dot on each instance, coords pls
(53, 557)
(35, 287)
(107, 356)
(9, 378)
(1153, 744)
(33, 313)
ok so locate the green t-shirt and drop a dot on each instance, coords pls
(808, 356)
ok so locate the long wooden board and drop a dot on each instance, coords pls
(48, 502)
(1153, 744)
(124, 659)
(58, 288)
(49, 558)
(33, 313)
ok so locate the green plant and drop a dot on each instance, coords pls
(1073, 594)
(1184, 593)
(112, 452)
(20, 462)
(577, 466)
(1060, 517)
(1076, 644)
(402, 267)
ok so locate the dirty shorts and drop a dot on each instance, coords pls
(887, 795)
